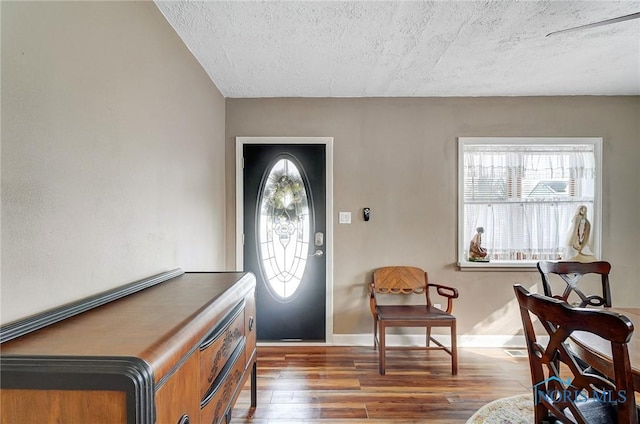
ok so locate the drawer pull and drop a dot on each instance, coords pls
(184, 420)
(251, 322)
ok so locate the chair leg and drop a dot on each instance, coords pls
(540, 412)
(375, 332)
(382, 347)
(428, 336)
(454, 350)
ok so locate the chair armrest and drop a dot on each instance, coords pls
(372, 299)
(445, 291)
(442, 290)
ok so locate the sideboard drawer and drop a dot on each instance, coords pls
(217, 401)
(218, 346)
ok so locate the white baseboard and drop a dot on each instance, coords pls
(495, 341)
(471, 341)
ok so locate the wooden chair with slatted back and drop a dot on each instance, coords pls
(404, 281)
(571, 273)
(563, 391)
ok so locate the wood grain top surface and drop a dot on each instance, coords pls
(157, 324)
(591, 344)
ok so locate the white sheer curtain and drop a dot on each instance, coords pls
(525, 196)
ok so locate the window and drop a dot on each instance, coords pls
(524, 192)
(283, 228)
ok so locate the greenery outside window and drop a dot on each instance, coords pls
(524, 192)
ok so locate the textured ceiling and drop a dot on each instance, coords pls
(409, 48)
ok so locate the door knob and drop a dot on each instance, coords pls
(317, 253)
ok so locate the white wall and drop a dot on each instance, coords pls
(112, 153)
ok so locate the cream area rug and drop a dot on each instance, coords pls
(510, 410)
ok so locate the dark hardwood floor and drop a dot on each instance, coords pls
(342, 385)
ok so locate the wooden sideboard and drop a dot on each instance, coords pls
(173, 348)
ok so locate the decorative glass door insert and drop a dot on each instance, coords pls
(283, 228)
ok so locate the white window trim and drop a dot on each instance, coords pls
(596, 232)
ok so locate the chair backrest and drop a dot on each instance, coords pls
(401, 280)
(573, 390)
(571, 273)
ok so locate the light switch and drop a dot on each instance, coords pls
(345, 218)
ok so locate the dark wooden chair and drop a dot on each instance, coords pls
(563, 391)
(406, 280)
(571, 273)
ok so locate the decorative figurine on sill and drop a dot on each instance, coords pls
(477, 253)
(578, 238)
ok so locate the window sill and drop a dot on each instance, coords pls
(498, 266)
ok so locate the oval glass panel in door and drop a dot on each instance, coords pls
(283, 228)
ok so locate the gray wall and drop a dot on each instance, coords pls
(112, 152)
(399, 157)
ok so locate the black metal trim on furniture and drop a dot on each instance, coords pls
(35, 322)
(222, 326)
(130, 375)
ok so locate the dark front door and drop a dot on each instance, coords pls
(284, 245)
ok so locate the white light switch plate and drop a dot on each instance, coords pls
(345, 218)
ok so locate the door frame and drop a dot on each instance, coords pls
(328, 142)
